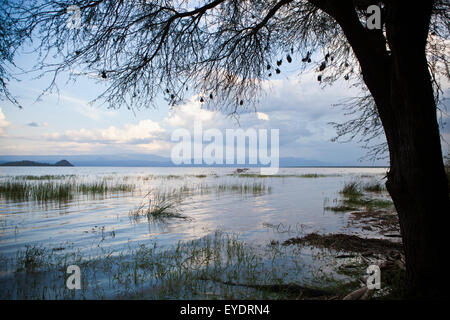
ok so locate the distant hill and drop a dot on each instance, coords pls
(27, 163)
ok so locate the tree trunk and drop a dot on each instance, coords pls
(416, 181)
(401, 86)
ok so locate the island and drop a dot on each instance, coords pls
(27, 163)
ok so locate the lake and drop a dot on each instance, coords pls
(259, 210)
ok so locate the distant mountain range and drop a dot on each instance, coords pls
(28, 163)
(147, 160)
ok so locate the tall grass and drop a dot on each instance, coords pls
(374, 186)
(59, 191)
(160, 206)
(351, 189)
(354, 198)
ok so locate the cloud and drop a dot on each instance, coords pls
(141, 133)
(298, 107)
(262, 116)
(3, 123)
(185, 115)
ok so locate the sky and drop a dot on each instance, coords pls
(67, 124)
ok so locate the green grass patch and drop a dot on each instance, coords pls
(374, 186)
(351, 189)
(355, 199)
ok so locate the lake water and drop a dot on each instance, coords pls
(287, 206)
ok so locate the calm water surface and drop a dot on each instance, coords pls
(292, 206)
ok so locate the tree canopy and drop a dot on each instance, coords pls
(222, 50)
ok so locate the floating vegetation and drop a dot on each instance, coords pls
(344, 242)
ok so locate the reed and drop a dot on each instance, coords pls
(45, 190)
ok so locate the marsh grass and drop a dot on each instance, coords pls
(217, 266)
(355, 199)
(43, 191)
(159, 207)
(352, 190)
(374, 186)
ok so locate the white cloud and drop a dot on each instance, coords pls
(263, 116)
(185, 115)
(3, 123)
(142, 132)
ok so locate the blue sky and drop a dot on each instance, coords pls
(66, 124)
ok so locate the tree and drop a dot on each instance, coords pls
(10, 40)
(226, 49)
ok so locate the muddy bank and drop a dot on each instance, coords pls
(383, 222)
(344, 242)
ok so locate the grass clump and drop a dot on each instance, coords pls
(354, 198)
(374, 186)
(352, 189)
(42, 191)
(51, 191)
(160, 207)
(14, 190)
(31, 259)
(103, 188)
